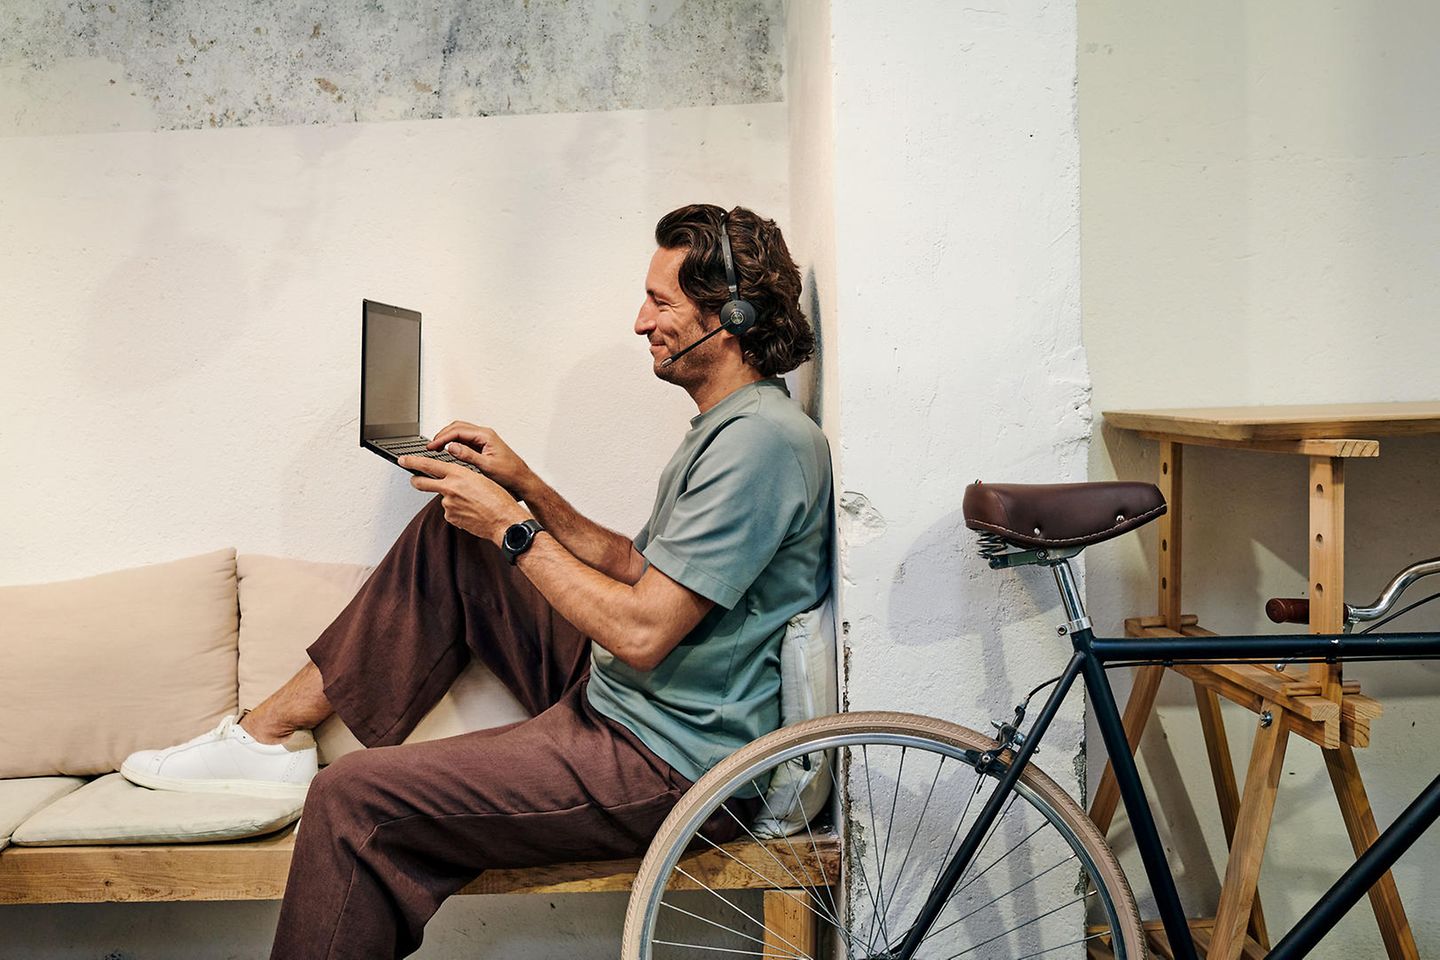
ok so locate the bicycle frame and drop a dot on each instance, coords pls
(1089, 660)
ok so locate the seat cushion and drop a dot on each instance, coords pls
(20, 798)
(807, 690)
(114, 810)
(286, 603)
(98, 668)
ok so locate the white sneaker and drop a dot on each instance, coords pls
(229, 760)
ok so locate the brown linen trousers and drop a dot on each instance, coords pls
(388, 833)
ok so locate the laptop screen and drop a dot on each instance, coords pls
(390, 376)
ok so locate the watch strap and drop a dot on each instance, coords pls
(526, 529)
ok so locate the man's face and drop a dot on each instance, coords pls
(670, 320)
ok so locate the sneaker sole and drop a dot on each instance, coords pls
(269, 789)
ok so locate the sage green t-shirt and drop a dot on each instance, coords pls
(742, 517)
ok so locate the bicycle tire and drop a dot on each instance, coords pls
(849, 731)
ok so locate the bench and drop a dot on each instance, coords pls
(257, 870)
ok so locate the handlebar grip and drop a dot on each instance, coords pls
(1288, 609)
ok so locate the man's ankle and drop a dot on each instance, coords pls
(264, 729)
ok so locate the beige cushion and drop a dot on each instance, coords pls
(808, 690)
(114, 810)
(98, 668)
(21, 798)
(285, 604)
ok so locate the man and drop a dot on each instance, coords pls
(643, 662)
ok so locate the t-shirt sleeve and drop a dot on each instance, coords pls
(741, 497)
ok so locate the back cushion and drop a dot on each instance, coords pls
(284, 606)
(95, 669)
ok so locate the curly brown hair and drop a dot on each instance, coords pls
(781, 339)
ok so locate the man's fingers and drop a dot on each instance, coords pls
(428, 465)
(466, 433)
(461, 451)
(428, 484)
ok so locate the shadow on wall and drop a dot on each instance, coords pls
(805, 382)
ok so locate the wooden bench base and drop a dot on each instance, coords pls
(257, 869)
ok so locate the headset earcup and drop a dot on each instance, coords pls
(737, 317)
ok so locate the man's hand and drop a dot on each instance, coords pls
(474, 503)
(484, 448)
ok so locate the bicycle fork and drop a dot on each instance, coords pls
(1083, 662)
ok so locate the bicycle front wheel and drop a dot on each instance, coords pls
(903, 790)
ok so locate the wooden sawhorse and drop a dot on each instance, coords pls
(1320, 705)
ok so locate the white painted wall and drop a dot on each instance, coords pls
(180, 362)
(1261, 190)
(939, 233)
(957, 256)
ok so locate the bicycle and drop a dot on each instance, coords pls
(1029, 874)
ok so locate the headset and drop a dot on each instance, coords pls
(737, 316)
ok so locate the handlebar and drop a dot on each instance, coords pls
(1391, 594)
(1297, 609)
(1288, 610)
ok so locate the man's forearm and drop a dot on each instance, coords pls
(604, 550)
(604, 609)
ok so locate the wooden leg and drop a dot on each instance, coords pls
(1252, 828)
(1227, 793)
(1137, 711)
(1327, 562)
(1360, 823)
(1169, 532)
(791, 924)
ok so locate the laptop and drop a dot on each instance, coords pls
(390, 385)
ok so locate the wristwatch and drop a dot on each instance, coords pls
(517, 539)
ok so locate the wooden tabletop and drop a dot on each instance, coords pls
(1300, 422)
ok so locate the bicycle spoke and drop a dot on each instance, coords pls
(733, 906)
(795, 801)
(860, 861)
(1062, 946)
(1018, 926)
(828, 887)
(919, 820)
(738, 933)
(989, 835)
(874, 838)
(938, 930)
(693, 946)
(833, 921)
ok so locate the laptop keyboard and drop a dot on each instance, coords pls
(406, 447)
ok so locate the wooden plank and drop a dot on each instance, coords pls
(1251, 685)
(257, 869)
(1247, 850)
(1227, 793)
(1327, 562)
(1200, 930)
(1137, 711)
(1140, 623)
(1170, 527)
(790, 924)
(1284, 422)
(1304, 448)
(1360, 824)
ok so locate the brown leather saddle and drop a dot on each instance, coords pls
(1060, 515)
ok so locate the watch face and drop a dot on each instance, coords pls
(516, 536)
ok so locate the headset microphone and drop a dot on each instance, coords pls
(737, 315)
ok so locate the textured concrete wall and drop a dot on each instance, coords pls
(130, 65)
(1261, 194)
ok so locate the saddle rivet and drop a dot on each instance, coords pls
(1037, 531)
(1119, 518)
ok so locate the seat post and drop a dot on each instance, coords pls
(1069, 592)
